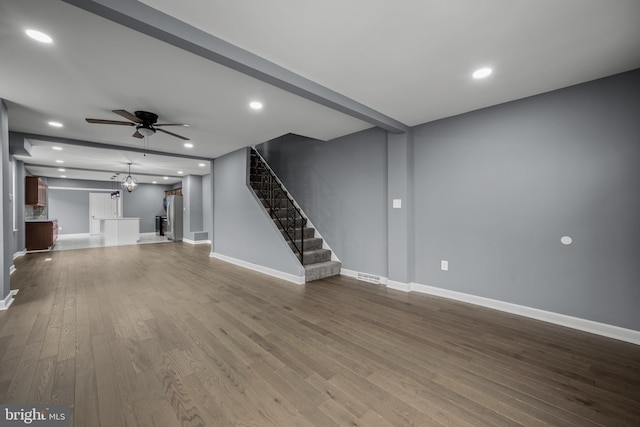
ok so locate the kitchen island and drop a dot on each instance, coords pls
(119, 231)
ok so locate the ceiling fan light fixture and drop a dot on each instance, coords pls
(145, 131)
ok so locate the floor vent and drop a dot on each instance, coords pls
(369, 278)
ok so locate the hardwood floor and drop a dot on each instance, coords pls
(163, 335)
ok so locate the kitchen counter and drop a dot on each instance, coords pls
(40, 234)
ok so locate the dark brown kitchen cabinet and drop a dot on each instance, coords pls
(35, 193)
(40, 234)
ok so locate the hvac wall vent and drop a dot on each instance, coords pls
(368, 278)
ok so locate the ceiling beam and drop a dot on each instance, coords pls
(152, 22)
(112, 172)
(17, 136)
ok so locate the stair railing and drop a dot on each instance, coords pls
(279, 203)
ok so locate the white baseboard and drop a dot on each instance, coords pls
(20, 253)
(75, 235)
(399, 286)
(8, 300)
(298, 280)
(585, 325)
(12, 269)
(196, 242)
(611, 331)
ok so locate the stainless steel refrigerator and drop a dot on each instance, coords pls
(174, 218)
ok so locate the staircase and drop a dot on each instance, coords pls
(291, 221)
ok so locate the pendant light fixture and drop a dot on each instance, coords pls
(129, 183)
(115, 193)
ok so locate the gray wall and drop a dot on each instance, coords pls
(71, 207)
(341, 185)
(192, 194)
(145, 203)
(492, 192)
(496, 189)
(6, 231)
(242, 228)
(207, 212)
(18, 197)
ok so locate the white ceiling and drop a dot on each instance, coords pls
(410, 60)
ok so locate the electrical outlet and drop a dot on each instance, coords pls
(444, 265)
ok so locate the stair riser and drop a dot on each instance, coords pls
(286, 223)
(310, 244)
(282, 204)
(268, 191)
(316, 257)
(321, 271)
(308, 233)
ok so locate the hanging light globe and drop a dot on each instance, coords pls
(129, 183)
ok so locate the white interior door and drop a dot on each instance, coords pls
(101, 205)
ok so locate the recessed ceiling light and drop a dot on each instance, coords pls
(62, 170)
(188, 145)
(180, 172)
(165, 177)
(154, 182)
(59, 161)
(39, 36)
(255, 105)
(202, 165)
(481, 73)
(55, 124)
(63, 176)
(57, 148)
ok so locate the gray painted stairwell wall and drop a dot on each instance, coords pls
(242, 228)
(496, 189)
(341, 185)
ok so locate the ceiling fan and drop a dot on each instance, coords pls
(144, 121)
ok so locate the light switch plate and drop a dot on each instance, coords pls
(444, 265)
(397, 203)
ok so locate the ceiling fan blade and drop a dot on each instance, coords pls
(110, 122)
(168, 124)
(173, 134)
(137, 134)
(127, 115)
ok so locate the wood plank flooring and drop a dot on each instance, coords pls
(163, 335)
